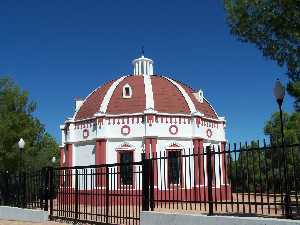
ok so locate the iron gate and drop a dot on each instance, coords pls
(101, 194)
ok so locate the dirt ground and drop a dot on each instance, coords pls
(6, 222)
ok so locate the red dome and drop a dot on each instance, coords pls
(168, 97)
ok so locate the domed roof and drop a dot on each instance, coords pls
(154, 92)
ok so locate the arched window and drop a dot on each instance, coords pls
(125, 156)
(126, 168)
(174, 165)
(127, 91)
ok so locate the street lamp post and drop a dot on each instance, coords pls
(51, 182)
(21, 145)
(22, 181)
(279, 92)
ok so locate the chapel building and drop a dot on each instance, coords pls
(143, 113)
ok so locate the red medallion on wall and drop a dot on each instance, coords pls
(125, 130)
(173, 129)
(209, 133)
(85, 133)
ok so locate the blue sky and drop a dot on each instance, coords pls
(59, 50)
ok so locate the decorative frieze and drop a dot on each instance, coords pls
(150, 119)
(100, 121)
(85, 124)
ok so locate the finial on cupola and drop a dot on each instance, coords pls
(142, 65)
(143, 52)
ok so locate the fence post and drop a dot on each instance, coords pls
(107, 193)
(287, 202)
(151, 177)
(287, 198)
(209, 181)
(24, 202)
(5, 195)
(46, 188)
(42, 188)
(51, 189)
(21, 190)
(76, 194)
(145, 185)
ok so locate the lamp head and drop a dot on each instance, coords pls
(279, 91)
(21, 143)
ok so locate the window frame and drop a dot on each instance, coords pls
(120, 185)
(181, 181)
(124, 94)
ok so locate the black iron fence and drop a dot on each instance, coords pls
(250, 179)
(99, 194)
(24, 189)
(255, 179)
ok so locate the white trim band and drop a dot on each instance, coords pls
(148, 92)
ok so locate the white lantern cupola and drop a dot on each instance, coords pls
(142, 66)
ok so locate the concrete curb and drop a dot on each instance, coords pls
(150, 218)
(29, 215)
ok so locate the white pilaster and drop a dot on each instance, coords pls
(144, 67)
(148, 92)
(151, 69)
(148, 68)
(140, 67)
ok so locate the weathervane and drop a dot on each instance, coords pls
(143, 52)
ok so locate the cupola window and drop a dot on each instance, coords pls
(199, 96)
(127, 91)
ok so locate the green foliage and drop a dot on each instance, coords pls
(257, 168)
(293, 89)
(291, 128)
(248, 169)
(16, 121)
(274, 27)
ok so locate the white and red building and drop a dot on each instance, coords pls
(143, 113)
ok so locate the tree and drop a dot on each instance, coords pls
(16, 121)
(294, 90)
(248, 168)
(291, 128)
(257, 168)
(274, 27)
